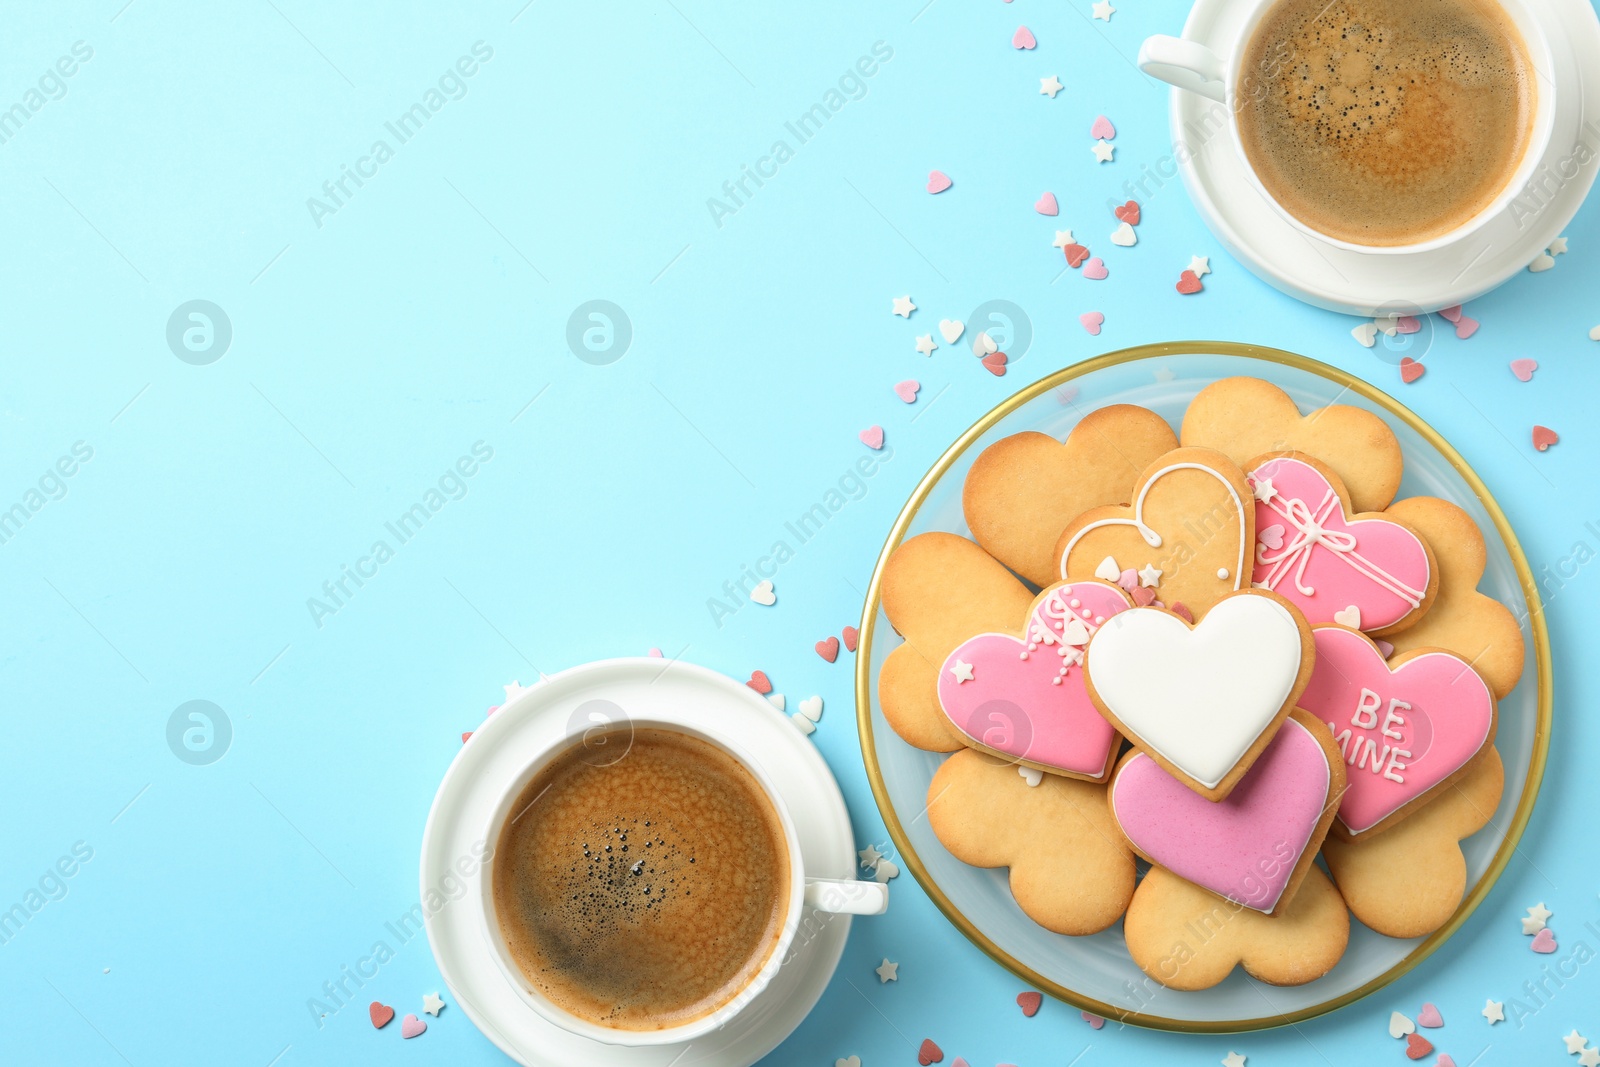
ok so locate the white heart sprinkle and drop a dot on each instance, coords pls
(776, 700)
(951, 329)
(811, 708)
(1400, 1026)
(1350, 616)
(763, 594)
(848, 1061)
(805, 725)
(1366, 334)
(1594, 334)
(1123, 235)
(1075, 632)
(1542, 262)
(1108, 570)
(1032, 775)
(983, 344)
(1389, 324)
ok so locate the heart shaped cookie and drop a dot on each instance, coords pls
(1252, 848)
(1071, 872)
(1478, 628)
(1185, 938)
(1405, 727)
(1408, 881)
(938, 590)
(1247, 417)
(1024, 489)
(1204, 699)
(1023, 698)
(1327, 561)
(1189, 522)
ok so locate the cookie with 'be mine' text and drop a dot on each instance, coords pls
(1202, 699)
(1185, 538)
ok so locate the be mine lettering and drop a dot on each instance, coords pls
(1364, 752)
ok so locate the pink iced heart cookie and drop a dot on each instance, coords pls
(1403, 728)
(1247, 848)
(1325, 561)
(1024, 699)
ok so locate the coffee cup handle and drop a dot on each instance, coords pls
(847, 896)
(1185, 64)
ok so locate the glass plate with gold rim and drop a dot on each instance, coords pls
(1095, 973)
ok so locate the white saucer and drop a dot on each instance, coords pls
(1341, 280)
(501, 748)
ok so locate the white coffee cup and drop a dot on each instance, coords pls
(822, 895)
(1216, 75)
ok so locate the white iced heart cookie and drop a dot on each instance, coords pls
(1203, 701)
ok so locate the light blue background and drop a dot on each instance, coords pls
(429, 312)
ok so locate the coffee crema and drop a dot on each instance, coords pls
(641, 892)
(1385, 122)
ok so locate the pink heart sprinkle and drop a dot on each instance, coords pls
(1092, 321)
(872, 437)
(1092, 1019)
(1429, 1016)
(1095, 269)
(1466, 327)
(1451, 314)
(1102, 129)
(907, 390)
(1128, 579)
(1523, 369)
(1444, 1060)
(655, 653)
(411, 1026)
(1544, 941)
(1272, 536)
(1046, 205)
(1023, 38)
(1407, 324)
(1384, 647)
(938, 181)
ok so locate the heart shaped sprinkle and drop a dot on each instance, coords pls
(1102, 130)
(803, 724)
(1108, 571)
(1400, 1025)
(759, 682)
(1092, 1019)
(983, 344)
(1451, 314)
(776, 700)
(1092, 321)
(1417, 1046)
(1046, 204)
(848, 1061)
(1029, 1003)
(1544, 437)
(1523, 369)
(380, 1014)
(1350, 616)
(872, 437)
(1095, 269)
(1444, 1059)
(1180, 610)
(1544, 942)
(411, 1026)
(1075, 254)
(1410, 369)
(1429, 1016)
(1271, 537)
(1407, 324)
(929, 1053)
(1365, 334)
(764, 594)
(1128, 212)
(1594, 334)
(829, 649)
(465, 736)
(907, 390)
(1189, 283)
(1023, 38)
(1142, 597)
(1124, 237)
(938, 181)
(951, 330)
(1541, 263)
(850, 636)
(1466, 327)
(811, 708)
(995, 364)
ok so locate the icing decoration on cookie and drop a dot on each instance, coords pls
(1026, 699)
(1310, 553)
(1198, 697)
(1401, 731)
(1245, 847)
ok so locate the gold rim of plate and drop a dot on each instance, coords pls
(1530, 592)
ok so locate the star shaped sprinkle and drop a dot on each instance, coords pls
(1532, 925)
(903, 306)
(1063, 238)
(431, 1003)
(887, 972)
(869, 856)
(1494, 1011)
(1103, 10)
(514, 690)
(925, 344)
(1558, 246)
(1200, 265)
(1150, 576)
(962, 671)
(1050, 86)
(1264, 490)
(1233, 1059)
(1589, 1057)
(1575, 1042)
(1164, 374)
(1102, 151)
(1540, 912)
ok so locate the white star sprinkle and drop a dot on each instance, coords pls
(431, 1003)
(1102, 151)
(1558, 246)
(925, 344)
(887, 972)
(1201, 265)
(1063, 239)
(1050, 86)
(962, 671)
(1264, 490)
(1494, 1011)
(1575, 1042)
(1150, 576)
(903, 306)
(1103, 10)
(1532, 925)
(1589, 1057)
(1233, 1059)
(514, 690)
(869, 857)
(1540, 912)
(1164, 374)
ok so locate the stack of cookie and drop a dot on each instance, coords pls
(1221, 653)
